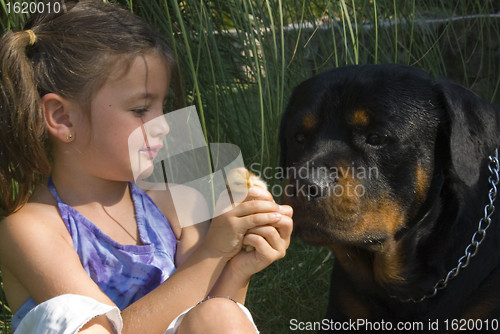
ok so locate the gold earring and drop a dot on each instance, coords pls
(69, 137)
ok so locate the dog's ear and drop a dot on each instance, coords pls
(472, 126)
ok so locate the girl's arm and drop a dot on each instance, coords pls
(233, 281)
(36, 248)
(270, 243)
(191, 209)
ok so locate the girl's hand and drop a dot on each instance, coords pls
(270, 242)
(225, 235)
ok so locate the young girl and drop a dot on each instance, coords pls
(74, 85)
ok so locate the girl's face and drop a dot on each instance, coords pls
(122, 106)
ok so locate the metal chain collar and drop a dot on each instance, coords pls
(479, 235)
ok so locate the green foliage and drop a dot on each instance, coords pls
(240, 60)
(295, 287)
(5, 311)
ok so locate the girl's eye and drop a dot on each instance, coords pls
(140, 111)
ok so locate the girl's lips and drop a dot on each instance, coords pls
(150, 152)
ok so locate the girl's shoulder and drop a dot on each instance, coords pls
(39, 214)
(29, 240)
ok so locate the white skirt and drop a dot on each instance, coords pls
(67, 314)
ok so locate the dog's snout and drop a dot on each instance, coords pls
(318, 189)
(312, 184)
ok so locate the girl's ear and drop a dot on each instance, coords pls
(57, 114)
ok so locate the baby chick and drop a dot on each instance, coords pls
(240, 180)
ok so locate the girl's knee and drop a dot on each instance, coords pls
(216, 315)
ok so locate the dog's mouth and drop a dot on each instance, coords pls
(371, 244)
(364, 222)
(318, 233)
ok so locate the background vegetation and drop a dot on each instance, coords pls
(240, 60)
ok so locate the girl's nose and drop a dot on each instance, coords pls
(157, 127)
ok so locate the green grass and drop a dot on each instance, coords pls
(241, 59)
(295, 287)
(5, 312)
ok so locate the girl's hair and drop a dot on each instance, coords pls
(71, 54)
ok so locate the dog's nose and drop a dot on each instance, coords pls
(312, 185)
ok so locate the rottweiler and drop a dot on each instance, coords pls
(397, 173)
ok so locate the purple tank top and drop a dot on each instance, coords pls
(124, 273)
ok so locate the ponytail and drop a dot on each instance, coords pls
(23, 156)
(70, 53)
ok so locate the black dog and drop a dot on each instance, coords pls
(390, 168)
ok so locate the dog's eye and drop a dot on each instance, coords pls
(300, 138)
(376, 139)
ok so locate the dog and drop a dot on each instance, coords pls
(390, 168)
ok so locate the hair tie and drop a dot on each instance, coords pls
(32, 36)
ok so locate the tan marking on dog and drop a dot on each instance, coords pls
(385, 267)
(352, 307)
(361, 117)
(358, 218)
(388, 265)
(422, 183)
(353, 261)
(309, 122)
(482, 310)
(343, 202)
(386, 216)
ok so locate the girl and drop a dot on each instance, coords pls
(74, 85)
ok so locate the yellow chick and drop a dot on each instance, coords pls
(240, 180)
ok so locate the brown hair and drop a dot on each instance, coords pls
(72, 55)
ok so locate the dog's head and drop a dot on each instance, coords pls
(367, 150)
